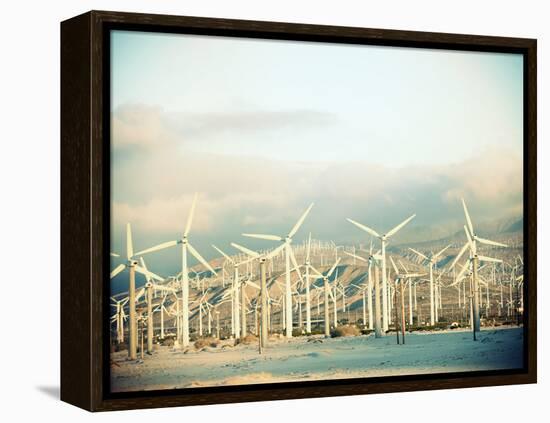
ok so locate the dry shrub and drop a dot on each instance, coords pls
(346, 330)
(168, 342)
(206, 342)
(247, 340)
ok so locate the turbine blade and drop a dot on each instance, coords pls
(333, 267)
(117, 270)
(468, 220)
(142, 262)
(461, 252)
(295, 263)
(317, 273)
(462, 271)
(245, 250)
(129, 244)
(489, 242)
(441, 252)
(200, 258)
(469, 239)
(223, 254)
(365, 228)
(489, 259)
(254, 285)
(157, 247)
(264, 236)
(299, 222)
(149, 274)
(419, 253)
(394, 266)
(190, 217)
(394, 230)
(275, 251)
(357, 257)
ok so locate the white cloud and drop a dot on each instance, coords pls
(153, 189)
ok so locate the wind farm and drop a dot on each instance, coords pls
(303, 302)
(311, 216)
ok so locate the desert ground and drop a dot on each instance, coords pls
(316, 357)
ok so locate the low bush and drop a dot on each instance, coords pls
(168, 342)
(346, 330)
(298, 332)
(205, 342)
(247, 340)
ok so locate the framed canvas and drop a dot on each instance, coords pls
(254, 211)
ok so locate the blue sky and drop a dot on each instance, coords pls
(391, 105)
(260, 129)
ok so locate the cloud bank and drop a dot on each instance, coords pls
(156, 170)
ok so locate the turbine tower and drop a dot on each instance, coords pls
(133, 267)
(289, 255)
(262, 258)
(235, 318)
(383, 239)
(327, 292)
(185, 246)
(370, 260)
(431, 262)
(474, 259)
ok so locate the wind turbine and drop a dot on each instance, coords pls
(370, 261)
(409, 276)
(383, 239)
(307, 268)
(185, 246)
(404, 278)
(288, 256)
(362, 288)
(327, 292)
(119, 317)
(235, 318)
(262, 258)
(432, 261)
(472, 239)
(133, 267)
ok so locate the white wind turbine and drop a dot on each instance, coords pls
(472, 239)
(133, 267)
(289, 255)
(432, 261)
(185, 246)
(119, 317)
(370, 261)
(362, 289)
(406, 276)
(383, 239)
(328, 292)
(235, 317)
(262, 258)
(307, 268)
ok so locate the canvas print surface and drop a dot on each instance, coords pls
(294, 211)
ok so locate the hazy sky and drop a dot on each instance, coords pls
(263, 128)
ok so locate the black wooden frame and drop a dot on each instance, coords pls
(85, 209)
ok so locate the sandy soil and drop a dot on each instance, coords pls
(311, 358)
